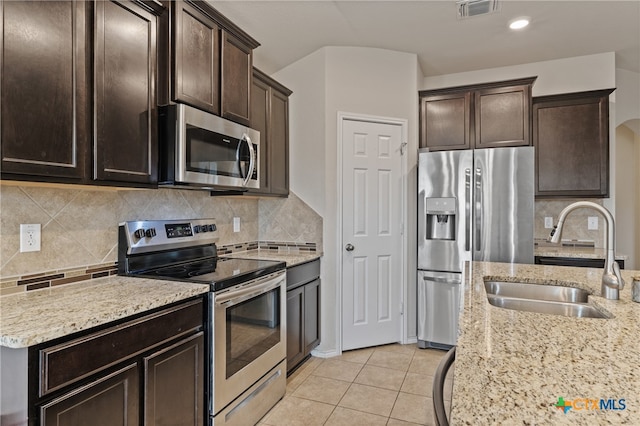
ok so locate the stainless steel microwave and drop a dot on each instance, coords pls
(199, 150)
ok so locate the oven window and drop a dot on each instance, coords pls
(253, 327)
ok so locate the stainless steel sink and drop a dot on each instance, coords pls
(553, 293)
(567, 309)
(542, 298)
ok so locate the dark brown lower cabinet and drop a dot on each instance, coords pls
(173, 385)
(148, 370)
(303, 312)
(111, 400)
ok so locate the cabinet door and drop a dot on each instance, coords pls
(112, 400)
(125, 93)
(295, 327)
(174, 384)
(279, 144)
(311, 315)
(236, 58)
(260, 101)
(502, 116)
(45, 88)
(196, 58)
(445, 121)
(571, 137)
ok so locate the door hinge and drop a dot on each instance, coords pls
(403, 145)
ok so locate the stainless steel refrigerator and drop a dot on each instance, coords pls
(472, 205)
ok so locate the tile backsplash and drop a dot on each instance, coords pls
(79, 225)
(575, 227)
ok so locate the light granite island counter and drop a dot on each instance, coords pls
(512, 367)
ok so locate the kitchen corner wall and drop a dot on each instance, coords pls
(575, 227)
(79, 224)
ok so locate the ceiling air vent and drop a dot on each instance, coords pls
(469, 8)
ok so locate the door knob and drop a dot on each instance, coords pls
(349, 247)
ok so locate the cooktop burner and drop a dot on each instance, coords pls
(221, 272)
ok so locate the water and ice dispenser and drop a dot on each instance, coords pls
(441, 218)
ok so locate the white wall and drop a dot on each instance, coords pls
(363, 81)
(628, 195)
(566, 75)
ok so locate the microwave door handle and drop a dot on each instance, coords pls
(252, 159)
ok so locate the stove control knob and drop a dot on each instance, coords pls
(196, 229)
(139, 233)
(204, 228)
(212, 227)
(150, 233)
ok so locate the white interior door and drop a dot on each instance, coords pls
(371, 233)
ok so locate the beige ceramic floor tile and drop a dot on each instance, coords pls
(346, 417)
(380, 377)
(397, 347)
(413, 408)
(425, 362)
(339, 370)
(358, 355)
(418, 384)
(369, 399)
(322, 389)
(292, 411)
(396, 422)
(395, 360)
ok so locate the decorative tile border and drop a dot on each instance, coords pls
(54, 278)
(21, 283)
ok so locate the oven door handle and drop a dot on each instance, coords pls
(233, 297)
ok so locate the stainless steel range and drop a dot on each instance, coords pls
(246, 311)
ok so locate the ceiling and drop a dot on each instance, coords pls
(290, 30)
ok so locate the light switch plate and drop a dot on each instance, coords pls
(548, 222)
(592, 223)
(236, 224)
(29, 237)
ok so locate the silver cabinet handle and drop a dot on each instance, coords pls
(478, 206)
(467, 209)
(349, 247)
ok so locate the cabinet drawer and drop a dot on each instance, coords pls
(300, 274)
(71, 361)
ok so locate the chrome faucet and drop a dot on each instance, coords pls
(612, 281)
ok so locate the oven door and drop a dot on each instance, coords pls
(248, 336)
(215, 151)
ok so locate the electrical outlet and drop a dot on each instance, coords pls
(548, 222)
(29, 237)
(592, 223)
(236, 224)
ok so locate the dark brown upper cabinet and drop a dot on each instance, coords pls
(571, 137)
(125, 113)
(54, 128)
(487, 115)
(270, 116)
(45, 92)
(211, 60)
(196, 57)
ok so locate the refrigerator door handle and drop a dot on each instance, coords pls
(478, 212)
(467, 210)
(441, 280)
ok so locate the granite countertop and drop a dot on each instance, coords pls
(37, 316)
(511, 366)
(292, 258)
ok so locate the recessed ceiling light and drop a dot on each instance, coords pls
(518, 24)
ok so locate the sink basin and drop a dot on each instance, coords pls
(553, 293)
(542, 298)
(567, 309)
